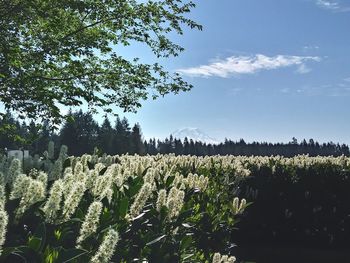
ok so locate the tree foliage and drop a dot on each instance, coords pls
(83, 134)
(55, 53)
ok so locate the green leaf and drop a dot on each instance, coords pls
(186, 242)
(103, 171)
(80, 214)
(34, 243)
(187, 256)
(145, 171)
(57, 234)
(169, 180)
(66, 164)
(123, 207)
(135, 186)
(156, 240)
(40, 233)
(68, 255)
(76, 220)
(106, 215)
(6, 251)
(26, 252)
(90, 165)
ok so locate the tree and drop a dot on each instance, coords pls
(87, 132)
(33, 137)
(186, 144)
(8, 130)
(122, 136)
(81, 134)
(151, 147)
(45, 136)
(64, 52)
(137, 145)
(69, 134)
(106, 137)
(178, 147)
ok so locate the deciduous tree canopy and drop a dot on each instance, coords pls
(63, 52)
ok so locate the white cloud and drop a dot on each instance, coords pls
(333, 5)
(303, 69)
(311, 47)
(331, 89)
(234, 91)
(285, 90)
(238, 65)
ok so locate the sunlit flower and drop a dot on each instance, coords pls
(141, 199)
(56, 171)
(3, 227)
(91, 221)
(72, 200)
(161, 201)
(53, 203)
(237, 206)
(175, 202)
(20, 185)
(217, 258)
(107, 247)
(34, 193)
(14, 170)
(2, 197)
(78, 168)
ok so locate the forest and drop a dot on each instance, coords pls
(82, 134)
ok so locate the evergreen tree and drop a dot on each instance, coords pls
(33, 137)
(69, 134)
(178, 147)
(122, 136)
(136, 145)
(87, 132)
(186, 146)
(7, 131)
(106, 137)
(44, 137)
(151, 147)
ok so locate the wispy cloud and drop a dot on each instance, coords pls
(333, 5)
(310, 48)
(285, 90)
(234, 91)
(303, 69)
(337, 89)
(239, 65)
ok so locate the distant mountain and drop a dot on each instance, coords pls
(195, 134)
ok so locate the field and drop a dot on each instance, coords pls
(166, 208)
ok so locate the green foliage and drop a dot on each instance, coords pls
(202, 225)
(300, 202)
(55, 53)
(197, 217)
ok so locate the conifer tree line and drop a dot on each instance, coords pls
(84, 135)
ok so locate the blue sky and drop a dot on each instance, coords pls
(263, 70)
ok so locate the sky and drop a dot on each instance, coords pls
(262, 70)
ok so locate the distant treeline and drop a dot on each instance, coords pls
(82, 134)
(242, 148)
